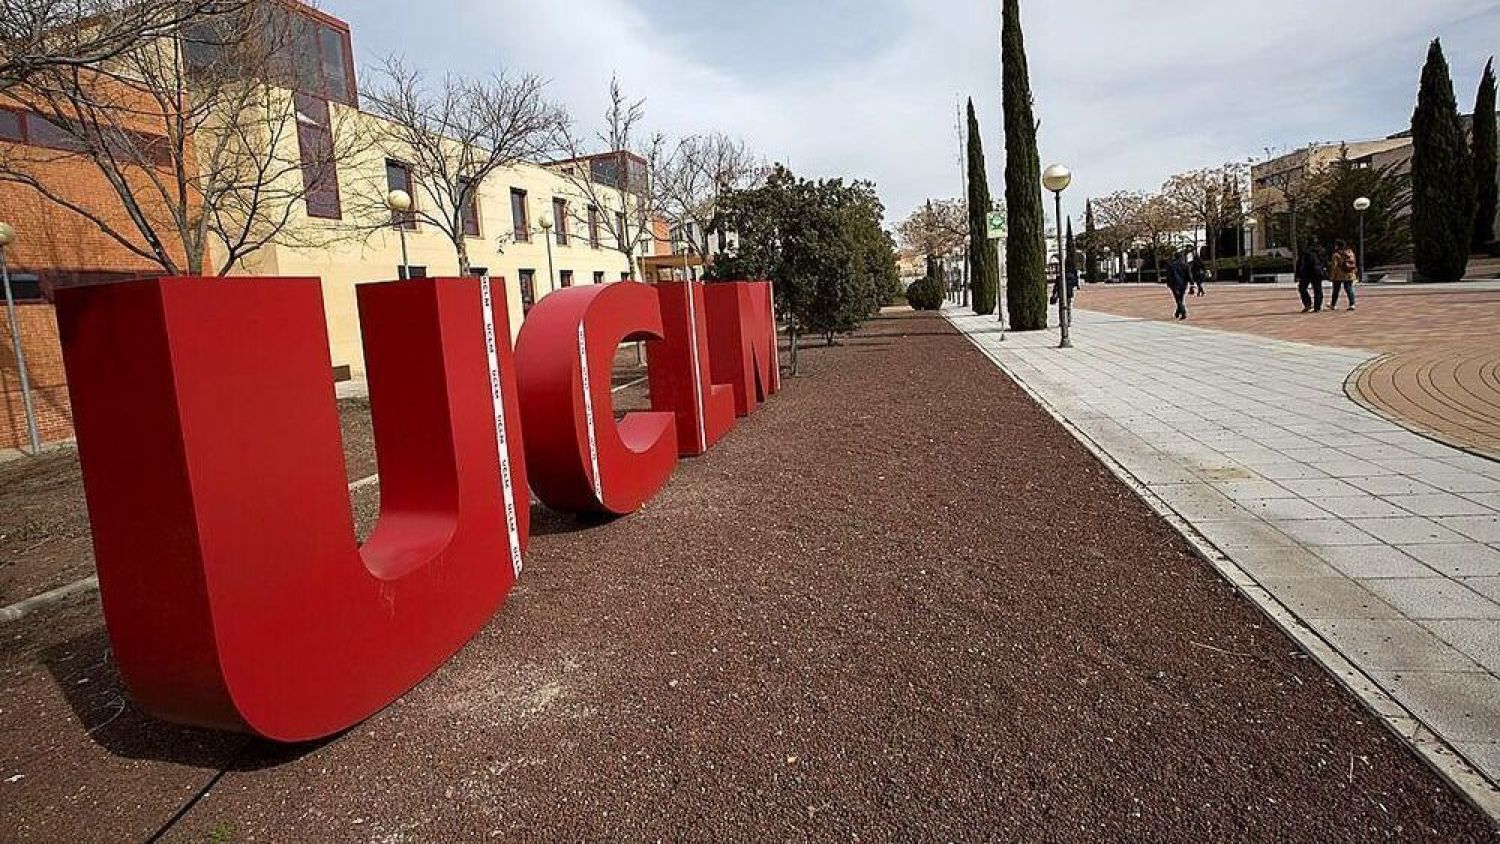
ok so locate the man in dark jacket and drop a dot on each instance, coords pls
(1179, 277)
(1310, 275)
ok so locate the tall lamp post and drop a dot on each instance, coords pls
(1361, 205)
(546, 224)
(1056, 179)
(1250, 224)
(7, 236)
(399, 201)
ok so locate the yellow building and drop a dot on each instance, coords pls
(344, 236)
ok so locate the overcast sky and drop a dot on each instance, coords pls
(1128, 91)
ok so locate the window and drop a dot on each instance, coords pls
(44, 133)
(470, 216)
(528, 290)
(10, 126)
(398, 177)
(320, 175)
(620, 229)
(567, 278)
(594, 226)
(519, 214)
(624, 276)
(599, 278)
(320, 59)
(560, 219)
(411, 271)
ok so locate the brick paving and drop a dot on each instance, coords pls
(1440, 372)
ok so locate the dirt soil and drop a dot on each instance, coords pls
(900, 602)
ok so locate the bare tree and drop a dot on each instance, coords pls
(1119, 218)
(616, 174)
(1208, 198)
(1160, 219)
(937, 230)
(55, 35)
(208, 158)
(693, 180)
(1291, 186)
(450, 137)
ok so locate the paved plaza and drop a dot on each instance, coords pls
(1384, 543)
(1432, 363)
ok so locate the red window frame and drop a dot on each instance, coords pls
(520, 212)
(321, 183)
(402, 219)
(560, 220)
(469, 218)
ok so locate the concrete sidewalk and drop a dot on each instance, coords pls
(1382, 542)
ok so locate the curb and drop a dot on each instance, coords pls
(1431, 748)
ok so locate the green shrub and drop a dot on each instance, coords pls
(925, 294)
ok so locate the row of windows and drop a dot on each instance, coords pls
(27, 127)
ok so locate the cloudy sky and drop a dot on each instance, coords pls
(1128, 91)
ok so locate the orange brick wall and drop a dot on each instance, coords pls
(49, 389)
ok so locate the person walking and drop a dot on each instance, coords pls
(1310, 276)
(1344, 270)
(1179, 279)
(1199, 273)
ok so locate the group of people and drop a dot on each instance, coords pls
(1314, 268)
(1185, 277)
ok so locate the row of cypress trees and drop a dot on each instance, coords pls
(1453, 179)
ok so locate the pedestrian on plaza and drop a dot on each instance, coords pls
(1310, 275)
(1179, 279)
(1199, 274)
(1344, 270)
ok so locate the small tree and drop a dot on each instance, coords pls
(1025, 249)
(1121, 222)
(617, 173)
(1207, 198)
(1442, 177)
(1331, 216)
(1090, 244)
(1160, 218)
(1294, 186)
(694, 179)
(1486, 186)
(937, 230)
(984, 258)
(451, 136)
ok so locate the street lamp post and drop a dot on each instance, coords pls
(1056, 179)
(399, 201)
(1249, 247)
(546, 224)
(7, 236)
(1361, 205)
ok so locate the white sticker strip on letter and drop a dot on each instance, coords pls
(588, 414)
(502, 442)
(692, 296)
(775, 349)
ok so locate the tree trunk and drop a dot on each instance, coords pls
(791, 332)
(463, 254)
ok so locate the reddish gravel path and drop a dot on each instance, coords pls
(900, 602)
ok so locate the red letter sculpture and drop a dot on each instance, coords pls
(579, 458)
(742, 341)
(235, 593)
(681, 380)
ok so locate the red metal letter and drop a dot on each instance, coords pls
(742, 341)
(580, 459)
(235, 593)
(680, 378)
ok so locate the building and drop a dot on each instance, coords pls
(1270, 179)
(530, 224)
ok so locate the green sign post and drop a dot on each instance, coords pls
(996, 223)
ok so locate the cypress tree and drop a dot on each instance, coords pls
(1072, 263)
(984, 260)
(1487, 189)
(1090, 252)
(1442, 177)
(1025, 251)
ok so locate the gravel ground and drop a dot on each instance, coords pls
(898, 603)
